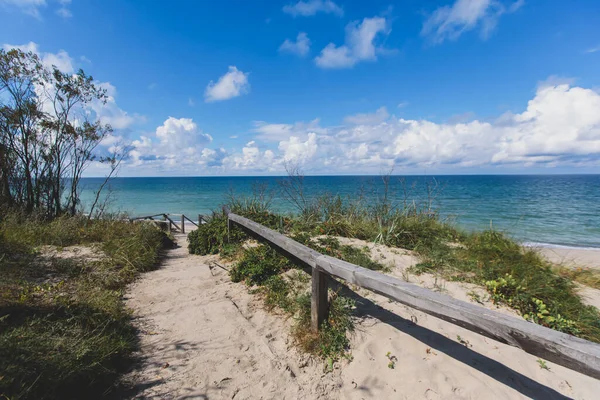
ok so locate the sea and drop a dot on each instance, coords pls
(541, 210)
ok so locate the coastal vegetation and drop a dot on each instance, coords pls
(513, 276)
(64, 330)
(48, 134)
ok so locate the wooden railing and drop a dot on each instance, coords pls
(566, 350)
(172, 224)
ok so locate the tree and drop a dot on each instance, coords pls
(47, 134)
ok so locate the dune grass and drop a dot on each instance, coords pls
(64, 330)
(514, 276)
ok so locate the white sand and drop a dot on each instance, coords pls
(570, 257)
(206, 337)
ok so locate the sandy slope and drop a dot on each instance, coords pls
(206, 337)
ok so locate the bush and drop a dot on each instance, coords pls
(258, 265)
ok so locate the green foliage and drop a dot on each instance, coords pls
(332, 340)
(543, 364)
(211, 236)
(258, 264)
(64, 331)
(517, 277)
(287, 290)
(43, 154)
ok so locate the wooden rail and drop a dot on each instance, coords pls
(566, 350)
(172, 224)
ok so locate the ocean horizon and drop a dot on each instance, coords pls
(538, 210)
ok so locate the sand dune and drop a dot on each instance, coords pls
(205, 337)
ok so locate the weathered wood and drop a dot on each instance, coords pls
(199, 219)
(182, 223)
(172, 223)
(192, 222)
(302, 253)
(318, 302)
(566, 350)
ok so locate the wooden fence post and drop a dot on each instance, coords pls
(199, 219)
(318, 303)
(182, 223)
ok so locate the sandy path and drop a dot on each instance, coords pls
(203, 337)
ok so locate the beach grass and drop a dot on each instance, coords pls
(514, 276)
(64, 330)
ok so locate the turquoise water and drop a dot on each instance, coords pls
(543, 209)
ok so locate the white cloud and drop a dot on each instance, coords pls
(61, 60)
(300, 47)
(559, 127)
(296, 151)
(368, 119)
(177, 143)
(234, 83)
(593, 49)
(278, 132)
(251, 159)
(31, 7)
(34, 7)
(312, 7)
(359, 45)
(107, 112)
(403, 104)
(449, 22)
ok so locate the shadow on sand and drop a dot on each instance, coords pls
(492, 368)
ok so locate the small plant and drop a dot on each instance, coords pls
(543, 364)
(475, 297)
(392, 360)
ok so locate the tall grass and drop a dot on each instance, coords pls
(64, 331)
(513, 275)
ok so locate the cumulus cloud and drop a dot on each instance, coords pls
(251, 159)
(298, 152)
(451, 21)
(559, 127)
(300, 47)
(359, 45)
(177, 143)
(312, 7)
(61, 60)
(233, 84)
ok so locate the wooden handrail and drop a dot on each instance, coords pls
(172, 223)
(563, 349)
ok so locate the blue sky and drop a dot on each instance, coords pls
(244, 87)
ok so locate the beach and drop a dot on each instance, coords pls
(572, 257)
(204, 336)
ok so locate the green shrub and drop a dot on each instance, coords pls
(258, 264)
